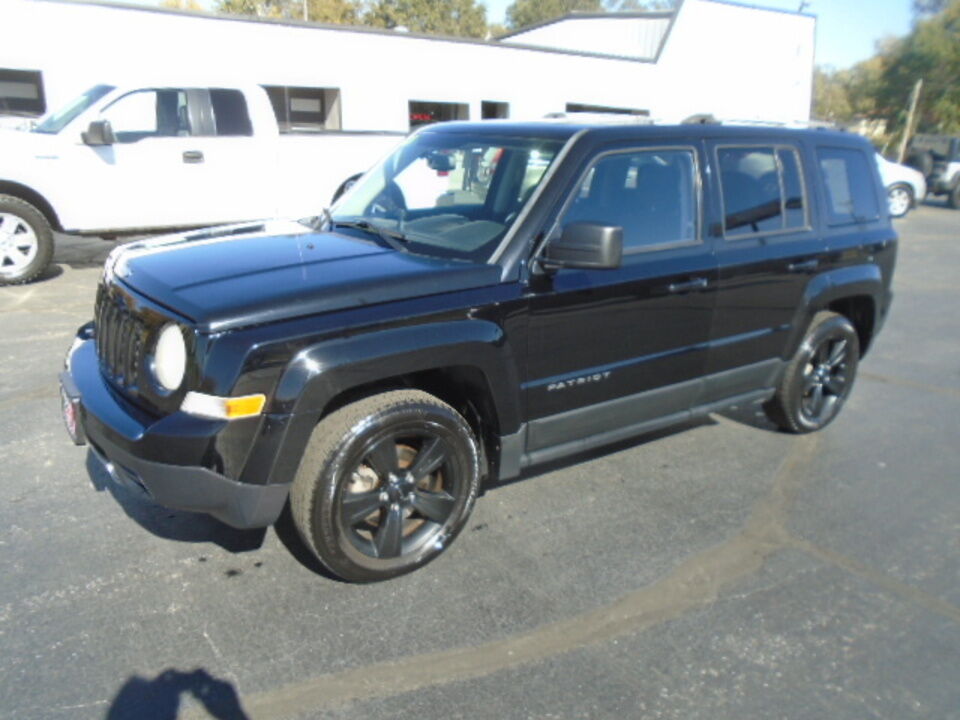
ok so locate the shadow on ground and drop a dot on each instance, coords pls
(173, 524)
(159, 699)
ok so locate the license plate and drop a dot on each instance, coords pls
(70, 410)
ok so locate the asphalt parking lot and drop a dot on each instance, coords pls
(719, 570)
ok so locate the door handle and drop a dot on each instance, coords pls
(694, 284)
(806, 266)
(192, 156)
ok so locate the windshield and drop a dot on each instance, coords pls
(55, 122)
(448, 194)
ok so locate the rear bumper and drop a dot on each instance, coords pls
(146, 454)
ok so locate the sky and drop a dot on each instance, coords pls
(847, 30)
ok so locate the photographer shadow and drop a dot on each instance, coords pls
(159, 699)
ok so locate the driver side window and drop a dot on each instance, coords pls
(651, 194)
(149, 113)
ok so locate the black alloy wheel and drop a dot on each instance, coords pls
(819, 377)
(385, 485)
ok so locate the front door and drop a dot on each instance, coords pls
(612, 350)
(148, 178)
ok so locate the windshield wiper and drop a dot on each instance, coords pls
(394, 239)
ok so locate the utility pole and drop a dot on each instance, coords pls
(306, 16)
(908, 130)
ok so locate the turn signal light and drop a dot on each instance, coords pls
(221, 408)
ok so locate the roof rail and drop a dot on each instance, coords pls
(709, 119)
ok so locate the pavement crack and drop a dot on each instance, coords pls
(696, 582)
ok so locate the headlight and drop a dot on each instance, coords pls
(170, 357)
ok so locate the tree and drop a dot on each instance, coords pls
(530, 12)
(931, 51)
(343, 12)
(830, 97)
(182, 5)
(463, 18)
(523, 13)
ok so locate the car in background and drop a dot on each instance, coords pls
(905, 186)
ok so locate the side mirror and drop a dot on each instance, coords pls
(586, 245)
(441, 162)
(99, 133)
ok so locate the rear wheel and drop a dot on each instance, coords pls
(385, 485)
(954, 199)
(819, 377)
(26, 241)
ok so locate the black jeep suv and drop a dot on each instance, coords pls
(490, 297)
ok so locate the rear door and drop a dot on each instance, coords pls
(767, 252)
(609, 350)
(237, 161)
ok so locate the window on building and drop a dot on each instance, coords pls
(230, 113)
(21, 92)
(849, 185)
(425, 112)
(490, 110)
(584, 108)
(304, 109)
(651, 194)
(762, 190)
(149, 113)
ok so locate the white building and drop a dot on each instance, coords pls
(708, 56)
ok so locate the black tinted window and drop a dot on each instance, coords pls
(230, 112)
(795, 214)
(751, 190)
(651, 194)
(849, 185)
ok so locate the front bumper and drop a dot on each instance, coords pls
(146, 454)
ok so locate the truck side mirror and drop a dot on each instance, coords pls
(585, 245)
(99, 133)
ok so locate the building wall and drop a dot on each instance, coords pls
(729, 60)
(635, 37)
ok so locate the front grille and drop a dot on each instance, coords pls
(120, 337)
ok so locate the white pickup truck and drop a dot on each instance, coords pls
(124, 160)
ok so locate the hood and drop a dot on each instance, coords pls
(247, 274)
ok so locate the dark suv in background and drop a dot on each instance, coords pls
(443, 328)
(938, 158)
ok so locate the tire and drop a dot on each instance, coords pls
(819, 377)
(899, 200)
(954, 198)
(922, 161)
(26, 241)
(385, 485)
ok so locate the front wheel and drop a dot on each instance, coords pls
(385, 485)
(26, 241)
(819, 377)
(900, 200)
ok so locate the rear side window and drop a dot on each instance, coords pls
(762, 190)
(230, 112)
(651, 194)
(849, 186)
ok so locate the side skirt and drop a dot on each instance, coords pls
(556, 436)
